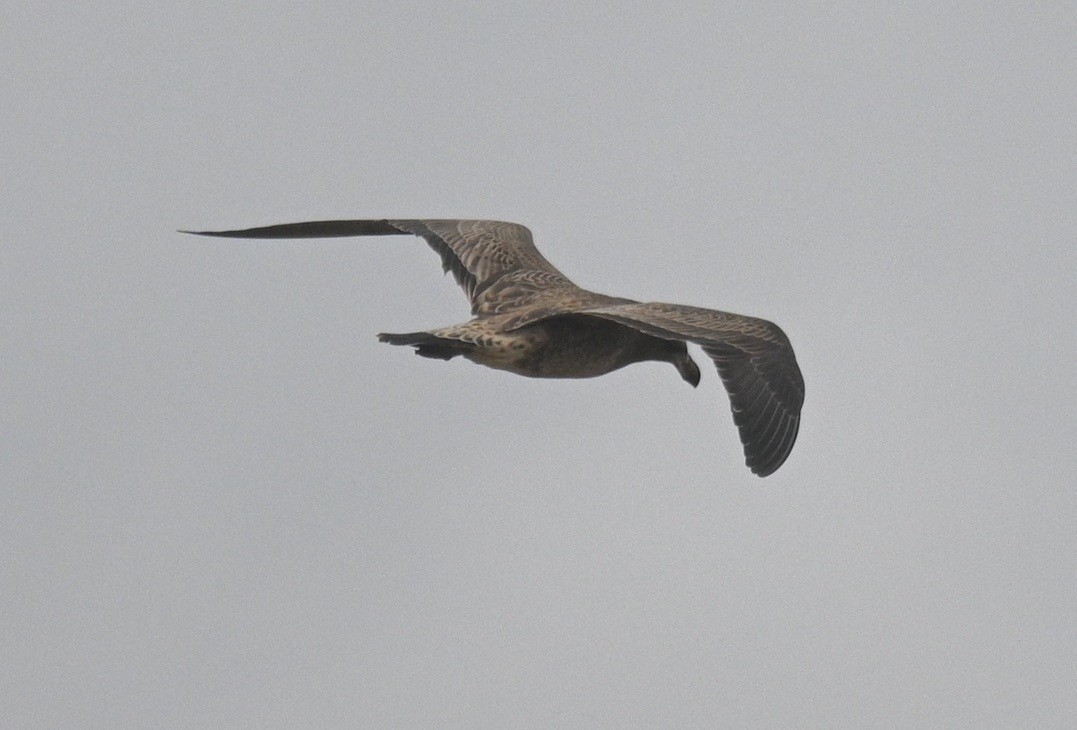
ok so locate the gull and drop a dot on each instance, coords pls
(529, 319)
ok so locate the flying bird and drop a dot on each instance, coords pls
(529, 319)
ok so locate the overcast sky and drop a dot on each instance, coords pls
(224, 503)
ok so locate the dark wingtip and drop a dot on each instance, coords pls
(216, 234)
(765, 468)
(312, 229)
(761, 472)
(766, 458)
(247, 233)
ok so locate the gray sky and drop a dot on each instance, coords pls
(225, 504)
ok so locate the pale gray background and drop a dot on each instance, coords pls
(225, 504)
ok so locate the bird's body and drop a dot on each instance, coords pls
(529, 319)
(564, 346)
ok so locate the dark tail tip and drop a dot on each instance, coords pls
(408, 338)
(428, 345)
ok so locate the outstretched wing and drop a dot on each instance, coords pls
(496, 263)
(754, 359)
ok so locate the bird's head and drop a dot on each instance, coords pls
(688, 369)
(676, 352)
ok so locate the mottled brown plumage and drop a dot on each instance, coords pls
(531, 320)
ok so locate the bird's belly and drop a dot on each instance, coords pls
(541, 359)
(564, 347)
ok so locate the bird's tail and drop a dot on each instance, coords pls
(428, 345)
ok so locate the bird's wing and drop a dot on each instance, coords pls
(754, 359)
(496, 263)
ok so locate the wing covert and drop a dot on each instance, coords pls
(495, 262)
